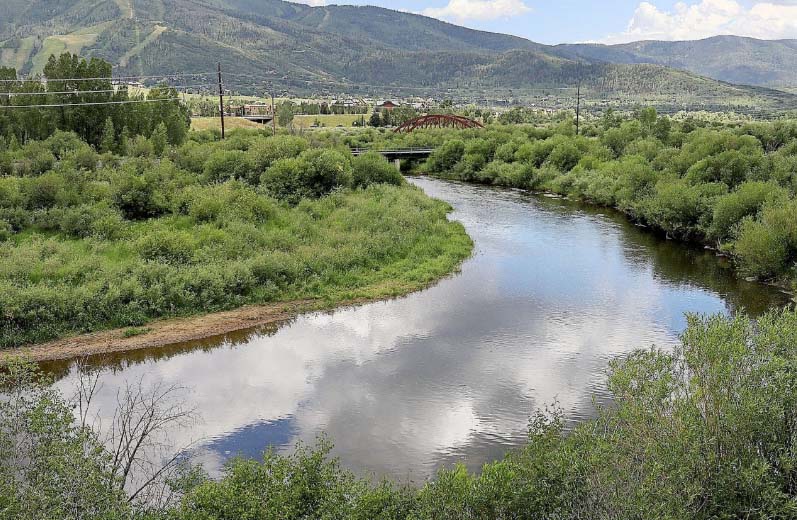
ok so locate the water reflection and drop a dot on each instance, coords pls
(453, 373)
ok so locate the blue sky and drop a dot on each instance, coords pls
(612, 21)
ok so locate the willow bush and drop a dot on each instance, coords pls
(121, 240)
(725, 185)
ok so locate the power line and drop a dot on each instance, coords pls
(117, 78)
(52, 105)
(107, 91)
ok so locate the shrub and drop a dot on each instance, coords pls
(372, 168)
(564, 156)
(192, 156)
(166, 246)
(137, 198)
(139, 146)
(36, 159)
(265, 152)
(767, 246)
(225, 165)
(446, 156)
(77, 221)
(159, 139)
(745, 201)
(679, 208)
(44, 191)
(314, 174)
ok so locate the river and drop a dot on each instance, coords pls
(553, 292)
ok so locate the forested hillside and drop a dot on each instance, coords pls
(727, 58)
(307, 50)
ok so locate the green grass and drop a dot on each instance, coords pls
(214, 123)
(379, 242)
(56, 45)
(135, 331)
(329, 120)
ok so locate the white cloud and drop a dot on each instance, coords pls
(696, 20)
(462, 10)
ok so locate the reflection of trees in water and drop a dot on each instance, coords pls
(677, 263)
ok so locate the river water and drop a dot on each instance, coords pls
(553, 292)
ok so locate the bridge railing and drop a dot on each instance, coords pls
(358, 151)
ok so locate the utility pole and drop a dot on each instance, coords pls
(221, 102)
(273, 113)
(578, 105)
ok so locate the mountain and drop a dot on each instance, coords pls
(747, 61)
(366, 50)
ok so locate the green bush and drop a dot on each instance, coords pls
(372, 168)
(767, 246)
(137, 197)
(265, 152)
(446, 156)
(681, 209)
(44, 191)
(313, 174)
(167, 246)
(745, 201)
(225, 165)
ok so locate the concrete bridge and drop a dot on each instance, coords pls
(397, 154)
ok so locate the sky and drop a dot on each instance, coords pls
(608, 21)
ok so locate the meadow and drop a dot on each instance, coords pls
(92, 241)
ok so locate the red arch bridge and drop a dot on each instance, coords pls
(438, 121)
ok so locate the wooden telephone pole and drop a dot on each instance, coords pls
(221, 102)
(578, 106)
(578, 101)
(273, 113)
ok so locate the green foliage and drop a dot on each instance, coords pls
(767, 246)
(108, 141)
(691, 180)
(372, 168)
(745, 201)
(313, 174)
(96, 111)
(225, 165)
(159, 139)
(702, 431)
(138, 238)
(50, 467)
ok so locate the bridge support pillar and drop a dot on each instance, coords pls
(397, 162)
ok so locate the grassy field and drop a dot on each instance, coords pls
(213, 123)
(305, 122)
(17, 57)
(207, 230)
(56, 45)
(329, 121)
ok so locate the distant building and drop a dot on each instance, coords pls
(386, 106)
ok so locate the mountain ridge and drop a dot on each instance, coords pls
(280, 45)
(735, 59)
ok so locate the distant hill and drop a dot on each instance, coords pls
(747, 61)
(332, 49)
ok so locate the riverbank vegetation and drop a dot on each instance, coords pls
(705, 431)
(728, 186)
(90, 241)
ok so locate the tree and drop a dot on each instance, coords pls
(124, 141)
(375, 120)
(50, 466)
(285, 114)
(108, 141)
(159, 139)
